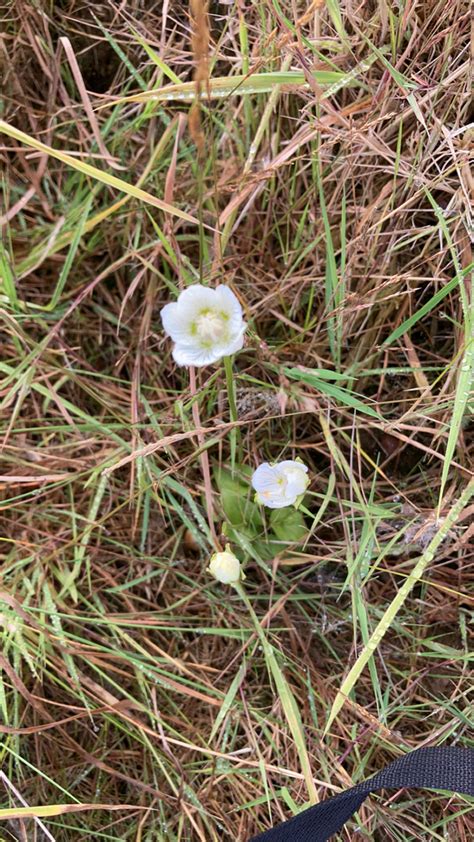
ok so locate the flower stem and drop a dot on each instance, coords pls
(204, 458)
(234, 431)
(258, 628)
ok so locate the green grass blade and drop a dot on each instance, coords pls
(462, 396)
(336, 17)
(155, 58)
(344, 396)
(66, 268)
(394, 607)
(229, 700)
(95, 173)
(466, 372)
(224, 86)
(426, 308)
(7, 278)
(287, 699)
(332, 288)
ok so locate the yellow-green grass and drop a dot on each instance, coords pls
(139, 699)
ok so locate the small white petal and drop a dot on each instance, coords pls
(228, 302)
(270, 485)
(296, 476)
(292, 464)
(263, 478)
(194, 355)
(274, 502)
(173, 323)
(194, 299)
(235, 345)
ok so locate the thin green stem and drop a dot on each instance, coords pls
(204, 458)
(234, 431)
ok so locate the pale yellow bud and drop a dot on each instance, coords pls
(225, 567)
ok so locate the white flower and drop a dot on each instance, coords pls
(281, 484)
(205, 325)
(225, 567)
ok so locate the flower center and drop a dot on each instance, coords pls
(210, 326)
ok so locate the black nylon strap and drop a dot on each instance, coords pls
(449, 768)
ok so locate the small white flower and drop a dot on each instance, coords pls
(281, 484)
(205, 325)
(225, 567)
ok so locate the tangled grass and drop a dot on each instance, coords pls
(325, 178)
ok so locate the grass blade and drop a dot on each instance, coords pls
(95, 173)
(287, 699)
(344, 396)
(397, 603)
(224, 86)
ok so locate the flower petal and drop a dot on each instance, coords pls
(232, 346)
(173, 323)
(270, 485)
(228, 303)
(293, 464)
(194, 355)
(194, 299)
(296, 475)
(273, 502)
(264, 478)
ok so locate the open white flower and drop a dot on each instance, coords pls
(205, 324)
(225, 567)
(281, 484)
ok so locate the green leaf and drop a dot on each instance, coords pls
(288, 525)
(233, 506)
(239, 510)
(268, 550)
(237, 479)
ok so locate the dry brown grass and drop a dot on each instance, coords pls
(118, 651)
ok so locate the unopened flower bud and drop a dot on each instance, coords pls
(225, 567)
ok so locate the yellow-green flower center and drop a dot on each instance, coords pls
(210, 326)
